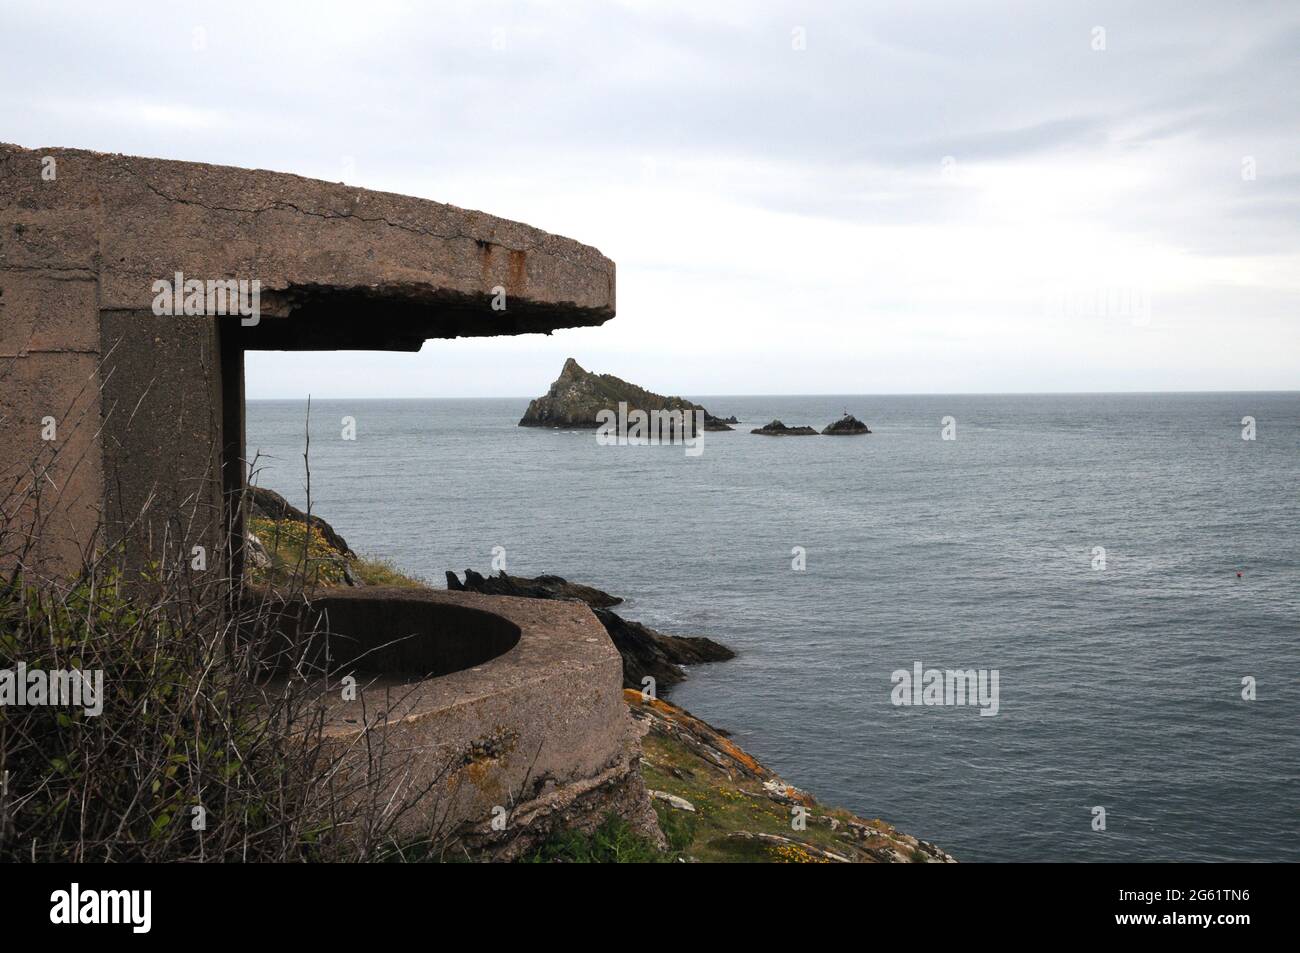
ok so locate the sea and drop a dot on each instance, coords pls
(1127, 565)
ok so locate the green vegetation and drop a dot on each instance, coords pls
(722, 806)
(613, 842)
(179, 728)
(678, 827)
(728, 807)
(295, 559)
(376, 571)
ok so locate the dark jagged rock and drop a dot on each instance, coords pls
(845, 426)
(645, 652)
(778, 429)
(540, 587)
(272, 506)
(577, 396)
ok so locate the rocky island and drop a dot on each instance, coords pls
(845, 426)
(778, 429)
(578, 395)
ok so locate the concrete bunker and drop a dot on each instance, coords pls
(148, 404)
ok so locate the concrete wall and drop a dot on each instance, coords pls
(162, 435)
(49, 367)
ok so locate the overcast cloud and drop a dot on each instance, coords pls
(927, 198)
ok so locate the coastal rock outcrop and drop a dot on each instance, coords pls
(538, 587)
(778, 429)
(578, 395)
(645, 652)
(270, 505)
(687, 763)
(845, 426)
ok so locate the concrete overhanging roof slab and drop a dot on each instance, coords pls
(339, 267)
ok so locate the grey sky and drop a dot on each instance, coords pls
(928, 197)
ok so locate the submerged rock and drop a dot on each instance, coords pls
(848, 424)
(778, 429)
(578, 395)
(645, 652)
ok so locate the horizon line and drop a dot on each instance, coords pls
(1025, 393)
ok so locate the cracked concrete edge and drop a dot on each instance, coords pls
(132, 220)
(581, 806)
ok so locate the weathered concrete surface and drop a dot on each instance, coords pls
(540, 730)
(373, 269)
(149, 408)
(161, 399)
(49, 354)
(51, 491)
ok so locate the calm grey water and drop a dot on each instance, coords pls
(1119, 687)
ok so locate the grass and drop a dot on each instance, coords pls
(324, 566)
(724, 806)
(188, 755)
(377, 571)
(613, 842)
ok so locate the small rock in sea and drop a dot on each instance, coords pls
(848, 424)
(778, 429)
